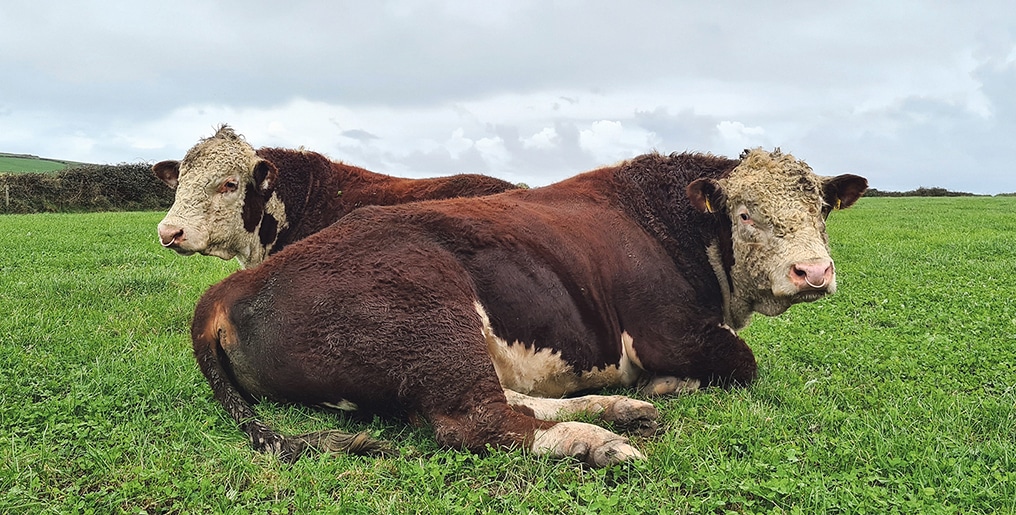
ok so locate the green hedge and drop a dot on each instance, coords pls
(122, 187)
(919, 192)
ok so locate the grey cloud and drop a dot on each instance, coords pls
(439, 162)
(998, 82)
(541, 166)
(358, 134)
(921, 148)
(681, 131)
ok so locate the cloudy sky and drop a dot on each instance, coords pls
(906, 93)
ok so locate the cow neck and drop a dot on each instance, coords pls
(296, 212)
(296, 183)
(652, 190)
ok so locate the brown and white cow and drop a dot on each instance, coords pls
(455, 311)
(234, 201)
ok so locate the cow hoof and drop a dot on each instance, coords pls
(640, 427)
(632, 416)
(591, 444)
(612, 453)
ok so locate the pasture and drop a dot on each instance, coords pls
(897, 394)
(13, 163)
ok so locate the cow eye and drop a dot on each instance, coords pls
(745, 216)
(228, 186)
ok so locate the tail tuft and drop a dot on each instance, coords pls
(290, 448)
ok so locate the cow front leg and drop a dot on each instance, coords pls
(625, 413)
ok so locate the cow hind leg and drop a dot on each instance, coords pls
(501, 426)
(466, 404)
(592, 444)
(627, 414)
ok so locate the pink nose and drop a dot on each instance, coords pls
(170, 235)
(812, 276)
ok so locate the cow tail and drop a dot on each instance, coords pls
(212, 360)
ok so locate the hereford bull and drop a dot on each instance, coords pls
(233, 201)
(453, 311)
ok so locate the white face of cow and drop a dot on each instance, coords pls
(777, 209)
(217, 179)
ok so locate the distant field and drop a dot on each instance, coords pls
(12, 163)
(896, 395)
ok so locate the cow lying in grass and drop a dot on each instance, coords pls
(456, 311)
(234, 201)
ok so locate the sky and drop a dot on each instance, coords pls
(905, 93)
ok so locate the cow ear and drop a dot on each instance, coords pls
(265, 175)
(706, 195)
(842, 191)
(168, 172)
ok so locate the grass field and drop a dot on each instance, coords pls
(10, 163)
(896, 395)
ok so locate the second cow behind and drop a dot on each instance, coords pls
(234, 201)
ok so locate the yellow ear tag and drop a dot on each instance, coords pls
(838, 202)
(709, 208)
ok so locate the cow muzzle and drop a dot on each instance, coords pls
(171, 237)
(812, 276)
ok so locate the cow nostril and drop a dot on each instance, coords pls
(815, 276)
(169, 235)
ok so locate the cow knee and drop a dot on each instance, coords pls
(470, 434)
(726, 359)
(497, 425)
(449, 433)
(741, 374)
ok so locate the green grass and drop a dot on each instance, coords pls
(10, 163)
(896, 395)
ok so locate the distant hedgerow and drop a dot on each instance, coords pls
(919, 192)
(122, 187)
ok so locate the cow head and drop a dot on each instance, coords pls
(777, 209)
(222, 190)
